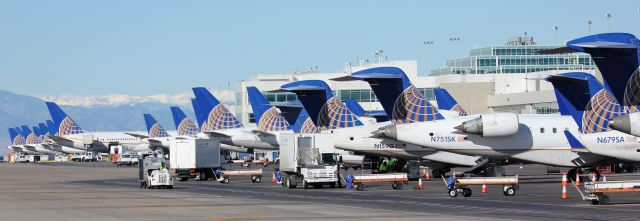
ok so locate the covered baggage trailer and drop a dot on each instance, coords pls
(396, 180)
(456, 185)
(595, 191)
(256, 175)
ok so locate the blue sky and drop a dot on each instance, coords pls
(152, 47)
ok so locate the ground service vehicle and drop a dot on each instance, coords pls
(194, 158)
(308, 159)
(153, 173)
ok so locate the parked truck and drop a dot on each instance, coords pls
(194, 158)
(308, 160)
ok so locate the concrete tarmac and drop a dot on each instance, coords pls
(100, 191)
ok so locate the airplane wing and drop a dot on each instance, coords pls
(217, 134)
(260, 133)
(137, 135)
(58, 139)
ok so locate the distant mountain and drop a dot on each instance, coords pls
(16, 110)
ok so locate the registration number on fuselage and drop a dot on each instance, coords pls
(444, 139)
(610, 140)
(389, 146)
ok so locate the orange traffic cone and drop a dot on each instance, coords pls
(420, 184)
(484, 188)
(577, 178)
(273, 178)
(564, 186)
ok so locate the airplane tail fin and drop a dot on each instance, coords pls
(38, 135)
(15, 136)
(153, 127)
(326, 110)
(184, 125)
(200, 117)
(63, 123)
(616, 55)
(447, 102)
(402, 101)
(581, 96)
(301, 122)
(30, 136)
(217, 115)
(355, 107)
(51, 128)
(268, 117)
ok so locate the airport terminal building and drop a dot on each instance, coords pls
(501, 78)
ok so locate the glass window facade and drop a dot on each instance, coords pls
(514, 59)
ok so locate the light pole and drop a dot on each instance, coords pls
(589, 23)
(378, 54)
(608, 15)
(427, 44)
(455, 40)
(556, 29)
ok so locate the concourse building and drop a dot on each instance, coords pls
(500, 78)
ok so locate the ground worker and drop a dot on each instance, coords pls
(163, 167)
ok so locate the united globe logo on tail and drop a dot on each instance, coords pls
(18, 140)
(598, 111)
(308, 127)
(632, 93)
(68, 127)
(219, 119)
(272, 120)
(32, 139)
(157, 131)
(187, 127)
(411, 107)
(334, 114)
(459, 109)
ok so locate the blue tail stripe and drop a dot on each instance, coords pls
(355, 107)
(573, 141)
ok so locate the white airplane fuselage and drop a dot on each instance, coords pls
(539, 139)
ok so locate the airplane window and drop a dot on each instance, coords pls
(555, 130)
(350, 138)
(542, 130)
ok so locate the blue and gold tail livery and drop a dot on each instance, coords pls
(581, 96)
(31, 137)
(616, 55)
(303, 123)
(38, 135)
(51, 128)
(217, 116)
(184, 125)
(44, 132)
(355, 107)
(268, 118)
(16, 138)
(200, 116)
(402, 102)
(153, 127)
(326, 111)
(64, 124)
(447, 102)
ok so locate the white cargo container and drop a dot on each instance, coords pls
(194, 158)
(308, 159)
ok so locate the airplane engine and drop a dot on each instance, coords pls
(492, 125)
(627, 123)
